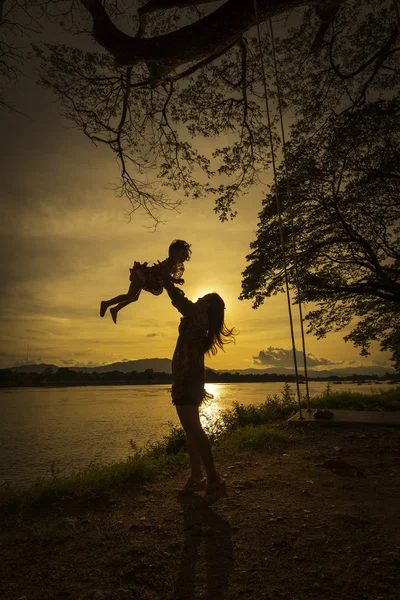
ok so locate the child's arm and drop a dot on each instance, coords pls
(176, 273)
(178, 298)
(167, 271)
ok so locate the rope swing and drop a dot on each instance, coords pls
(279, 212)
(291, 215)
(289, 196)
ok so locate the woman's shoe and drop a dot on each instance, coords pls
(214, 491)
(193, 485)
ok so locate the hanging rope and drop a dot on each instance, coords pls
(290, 203)
(278, 208)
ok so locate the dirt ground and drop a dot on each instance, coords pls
(321, 520)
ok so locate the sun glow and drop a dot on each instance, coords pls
(199, 293)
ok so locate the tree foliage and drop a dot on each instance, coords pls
(344, 197)
(167, 79)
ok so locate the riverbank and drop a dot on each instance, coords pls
(61, 431)
(308, 515)
(168, 454)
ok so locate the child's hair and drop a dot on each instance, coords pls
(180, 245)
(218, 333)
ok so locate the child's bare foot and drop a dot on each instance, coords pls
(103, 308)
(114, 313)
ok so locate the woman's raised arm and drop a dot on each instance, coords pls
(178, 298)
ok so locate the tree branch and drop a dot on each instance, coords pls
(200, 64)
(155, 5)
(196, 42)
(379, 56)
(358, 289)
(326, 15)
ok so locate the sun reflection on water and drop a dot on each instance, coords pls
(211, 409)
(213, 388)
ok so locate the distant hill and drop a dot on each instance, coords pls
(163, 365)
(33, 368)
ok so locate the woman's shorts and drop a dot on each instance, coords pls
(186, 401)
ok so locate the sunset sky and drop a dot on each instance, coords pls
(67, 244)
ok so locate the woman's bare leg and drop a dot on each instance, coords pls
(198, 444)
(196, 471)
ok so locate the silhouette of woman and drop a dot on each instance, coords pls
(201, 331)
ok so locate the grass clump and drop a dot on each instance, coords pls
(276, 408)
(388, 400)
(146, 464)
(258, 437)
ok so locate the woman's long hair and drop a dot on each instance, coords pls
(218, 333)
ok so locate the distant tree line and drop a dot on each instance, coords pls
(68, 377)
(226, 377)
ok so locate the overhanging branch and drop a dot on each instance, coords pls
(196, 42)
(156, 5)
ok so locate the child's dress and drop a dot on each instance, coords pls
(151, 277)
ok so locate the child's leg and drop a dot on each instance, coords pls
(128, 297)
(132, 293)
(115, 309)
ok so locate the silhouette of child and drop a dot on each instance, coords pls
(151, 279)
